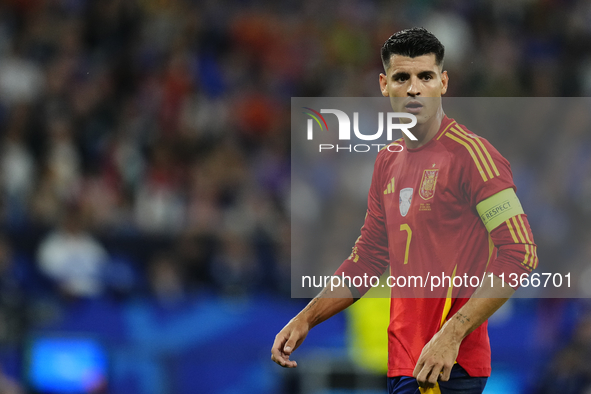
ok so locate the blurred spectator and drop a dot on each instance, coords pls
(570, 370)
(73, 259)
(194, 252)
(167, 283)
(63, 159)
(21, 80)
(234, 268)
(159, 205)
(13, 276)
(17, 168)
(9, 386)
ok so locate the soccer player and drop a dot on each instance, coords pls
(446, 200)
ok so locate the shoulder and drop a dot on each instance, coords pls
(385, 153)
(391, 146)
(465, 145)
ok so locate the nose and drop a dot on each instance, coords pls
(413, 88)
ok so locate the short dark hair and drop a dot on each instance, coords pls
(413, 42)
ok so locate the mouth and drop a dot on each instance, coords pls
(413, 107)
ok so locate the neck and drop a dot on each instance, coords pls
(425, 131)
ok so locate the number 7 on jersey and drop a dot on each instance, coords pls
(406, 227)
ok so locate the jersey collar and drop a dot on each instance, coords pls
(446, 123)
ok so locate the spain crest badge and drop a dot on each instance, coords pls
(427, 189)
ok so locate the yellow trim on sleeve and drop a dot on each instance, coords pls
(476, 148)
(448, 126)
(492, 163)
(524, 229)
(526, 259)
(499, 208)
(508, 222)
(491, 248)
(521, 237)
(480, 170)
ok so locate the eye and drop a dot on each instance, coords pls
(427, 77)
(401, 79)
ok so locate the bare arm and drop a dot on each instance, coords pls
(439, 355)
(327, 304)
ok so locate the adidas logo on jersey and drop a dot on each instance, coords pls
(390, 188)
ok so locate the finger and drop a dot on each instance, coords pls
(290, 364)
(434, 375)
(290, 344)
(446, 372)
(278, 344)
(285, 362)
(418, 368)
(277, 354)
(423, 375)
(278, 359)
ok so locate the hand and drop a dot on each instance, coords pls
(436, 360)
(288, 340)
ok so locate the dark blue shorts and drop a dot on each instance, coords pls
(459, 383)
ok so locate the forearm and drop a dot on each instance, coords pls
(328, 303)
(485, 301)
(325, 305)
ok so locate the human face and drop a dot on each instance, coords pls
(410, 80)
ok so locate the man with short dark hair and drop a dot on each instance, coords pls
(447, 200)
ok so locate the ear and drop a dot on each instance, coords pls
(444, 82)
(384, 85)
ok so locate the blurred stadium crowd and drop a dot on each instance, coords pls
(145, 143)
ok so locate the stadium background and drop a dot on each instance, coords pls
(145, 179)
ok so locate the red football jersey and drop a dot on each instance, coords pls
(422, 217)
